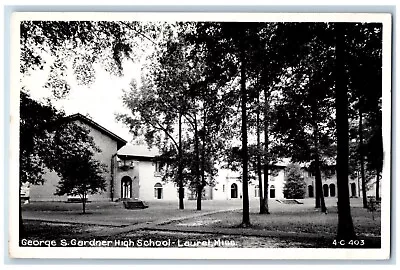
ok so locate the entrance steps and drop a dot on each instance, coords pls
(289, 201)
(134, 203)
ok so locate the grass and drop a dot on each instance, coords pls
(301, 221)
(39, 230)
(58, 220)
(302, 218)
(113, 213)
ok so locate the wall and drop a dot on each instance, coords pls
(278, 181)
(328, 180)
(133, 174)
(108, 148)
(225, 179)
(148, 178)
(46, 191)
(106, 144)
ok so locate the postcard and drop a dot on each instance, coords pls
(200, 135)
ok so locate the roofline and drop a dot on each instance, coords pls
(148, 158)
(89, 121)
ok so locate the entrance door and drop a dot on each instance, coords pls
(353, 190)
(158, 191)
(310, 191)
(126, 187)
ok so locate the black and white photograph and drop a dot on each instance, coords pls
(200, 135)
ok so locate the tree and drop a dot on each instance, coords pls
(154, 115)
(177, 90)
(80, 43)
(47, 140)
(81, 175)
(375, 156)
(295, 185)
(283, 54)
(358, 76)
(37, 122)
(205, 109)
(231, 51)
(364, 51)
(345, 221)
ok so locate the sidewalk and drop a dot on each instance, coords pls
(111, 227)
(156, 224)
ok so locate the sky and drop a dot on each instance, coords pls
(100, 101)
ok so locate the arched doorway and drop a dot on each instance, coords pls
(158, 191)
(234, 191)
(126, 187)
(272, 192)
(326, 190)
(310, 191)
(353, 190)
(332, 190)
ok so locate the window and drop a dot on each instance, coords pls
(326, 190)
(332, 190)
(158, 168)
(126, 187)
(257, 191)
(272, 192)
(234, 191)
(158, 191)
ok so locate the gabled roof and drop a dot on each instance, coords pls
(95, 125)
(138, 150)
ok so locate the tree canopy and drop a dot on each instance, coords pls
(303, 86)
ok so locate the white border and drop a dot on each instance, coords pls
(178, 253)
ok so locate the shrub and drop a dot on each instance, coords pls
(295, 185)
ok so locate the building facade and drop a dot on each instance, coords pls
(106, 141)
(133, 173)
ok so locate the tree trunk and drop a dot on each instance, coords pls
(197, 172)
(259, 174)
(180, 176)
(318, 179)
(377, 196)
(318, 193)
(203, 152)
(345, 222)
(265, 209)
(245, 159)
(362, 170)
(84, 203)
(22, 231)
(318, 182)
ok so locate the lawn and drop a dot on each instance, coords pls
(39, 230)
(301, 218)
(114, 214)
(60, 220)
(284, 217)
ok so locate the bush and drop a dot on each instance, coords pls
(295, 185)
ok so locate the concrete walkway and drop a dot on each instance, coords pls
(114, 228)
(155, 224)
